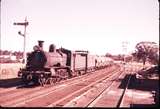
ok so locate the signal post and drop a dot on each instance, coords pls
(25, 24)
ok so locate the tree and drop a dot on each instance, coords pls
(108, 55)
(147, 50)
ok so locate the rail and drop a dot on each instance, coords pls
(120, 102)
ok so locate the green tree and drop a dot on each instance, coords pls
(147, 50)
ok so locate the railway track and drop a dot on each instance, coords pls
(95, 89)
(21, 86)
(95, 94)
(19, 96)
(123, 96)
(97, 97)
(87, 98)
(66, 99)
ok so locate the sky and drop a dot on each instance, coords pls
(99, 26)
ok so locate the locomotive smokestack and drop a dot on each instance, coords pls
(40, 44)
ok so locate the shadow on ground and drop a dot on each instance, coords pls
(14, 82)
(143, 105)
(144, 84)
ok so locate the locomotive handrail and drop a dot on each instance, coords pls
(61, 67)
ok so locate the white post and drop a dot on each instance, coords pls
(24, 49)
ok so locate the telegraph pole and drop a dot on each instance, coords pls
(25, 24)
(124, 47)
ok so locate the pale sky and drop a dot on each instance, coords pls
(99, 26)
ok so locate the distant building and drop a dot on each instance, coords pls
(13, 58)
(7, 58)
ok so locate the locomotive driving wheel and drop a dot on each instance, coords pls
(42, 80)
(52, 80)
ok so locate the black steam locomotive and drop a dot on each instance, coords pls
(57, 64)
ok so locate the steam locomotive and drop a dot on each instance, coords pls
(57, 64)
